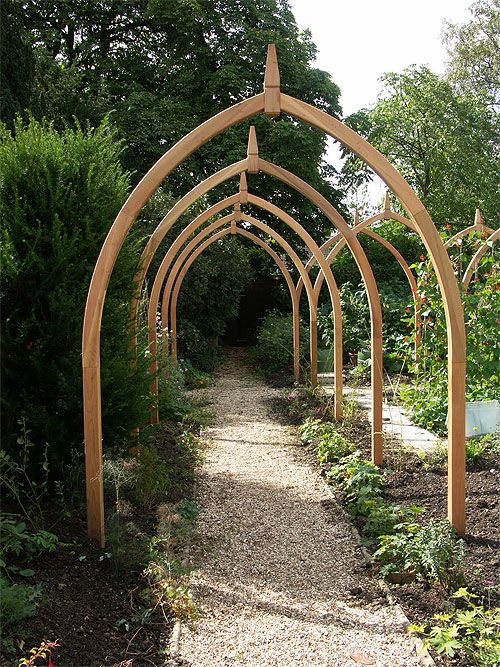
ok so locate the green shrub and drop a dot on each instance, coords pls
(17, 601)
(274, 350)
(431, 551)
(360, 481)
(330, 446)
(152, 477)
(59, 195)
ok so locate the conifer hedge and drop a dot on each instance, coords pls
(59, 195)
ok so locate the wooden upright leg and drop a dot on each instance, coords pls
(296, 341)
(377, 393)
(93, 452)
(313, 351)
(456, 446)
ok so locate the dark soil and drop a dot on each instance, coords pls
(92, 598)
(82, 606)
(413, 484)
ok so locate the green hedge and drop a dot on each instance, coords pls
(59, 195)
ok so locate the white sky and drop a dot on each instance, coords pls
(359, 40)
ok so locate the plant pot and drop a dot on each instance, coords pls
(325, 360)
(404, 577)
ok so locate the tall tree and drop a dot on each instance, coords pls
(444, 143)
(474, 52)
(164, 67)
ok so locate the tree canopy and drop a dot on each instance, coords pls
(444, 143)
(474, 52)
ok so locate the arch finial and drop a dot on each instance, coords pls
(356, 217)
(237, 214)
(387, 201)
(243, 188)
(272, 94)
(252, 152)
(478, 219)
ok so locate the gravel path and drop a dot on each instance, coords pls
(281, 580)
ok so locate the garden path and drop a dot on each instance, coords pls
(281, 579)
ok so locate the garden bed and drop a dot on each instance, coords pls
(415, 481)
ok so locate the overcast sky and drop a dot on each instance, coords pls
(359, 40)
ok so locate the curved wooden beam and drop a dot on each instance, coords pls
(361, 228)
(167, 222)
(159, 278)
(371, 287)
(141, 193)
(277, 259)
(473, 264)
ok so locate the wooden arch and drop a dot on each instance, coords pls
(153, 305)
(473, 264)
(180, 271)
(272, 102)
(155, 292)
(478, 226)
(242, 197)
(362, 227)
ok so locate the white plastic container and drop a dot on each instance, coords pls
(481, 417)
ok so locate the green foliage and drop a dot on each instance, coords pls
(444, 143)
(17, 540)
(330, 445)
(426, 398)
(165, 67)
(17, 601)
(474, 63)
(431, 551)
(360, 481)
(274, 350)
(59, 195)
(394, 300)
(478, 450)
(470, 634)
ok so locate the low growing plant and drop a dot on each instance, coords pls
(361, 482)
(431, 551)
(468, 635)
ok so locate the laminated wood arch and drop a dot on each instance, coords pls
(254, 162)
(478, 226)
(271, 102)
(362, 227)
(179, 269)
(155, 292)
(473, 264)
(277, 259)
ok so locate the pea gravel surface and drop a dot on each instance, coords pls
(279, 577)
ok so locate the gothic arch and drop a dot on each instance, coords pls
(272, 102)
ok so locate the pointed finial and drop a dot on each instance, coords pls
(272, 94)
(233, 226)
(252, 152)
(356, 217)
(237, 212)
(387, 201)
(478, 219)
(243, 188)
